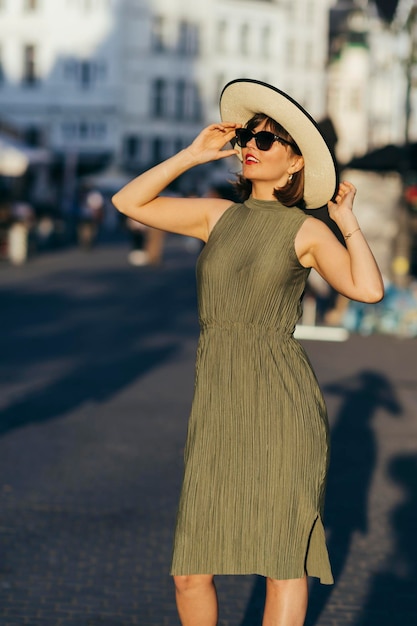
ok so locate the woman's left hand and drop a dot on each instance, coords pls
(343, 201)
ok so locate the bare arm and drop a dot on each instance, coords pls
(140, 198)
(352, 271)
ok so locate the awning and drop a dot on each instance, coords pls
(390, 158)
(16, 157)
(108, 180)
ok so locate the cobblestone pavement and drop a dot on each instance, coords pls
(96, 382)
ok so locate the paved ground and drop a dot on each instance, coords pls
(95, 389)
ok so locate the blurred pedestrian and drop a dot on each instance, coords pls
(137, 233)
(147, 244)
(90, 217)
(257, 448)
(20, 231)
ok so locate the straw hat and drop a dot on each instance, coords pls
(241, 99)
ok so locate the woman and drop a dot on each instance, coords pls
(257, 446)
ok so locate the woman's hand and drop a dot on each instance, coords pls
(343, 202)
(209, 144)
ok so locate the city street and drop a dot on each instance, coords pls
(95, 389)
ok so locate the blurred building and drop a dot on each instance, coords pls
(372, 86)
(59, 75)
(91, 79)
(114, 86)
(131, 81)
(178, 54)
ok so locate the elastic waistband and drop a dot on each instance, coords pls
(258, 329)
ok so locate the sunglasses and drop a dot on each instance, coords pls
(264, 139)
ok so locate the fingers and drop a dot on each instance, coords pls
(225, 128)
(209, 144)
(221, 134)
(226, 153)
(345, 188)
(225, 125)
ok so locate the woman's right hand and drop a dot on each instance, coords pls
(209, 144)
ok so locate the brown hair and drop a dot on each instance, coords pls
(292, 194)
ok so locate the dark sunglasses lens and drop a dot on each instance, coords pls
(264, 140)
(243, 135)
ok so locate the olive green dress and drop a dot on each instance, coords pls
(257, 448)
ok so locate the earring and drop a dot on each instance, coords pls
(290, 178)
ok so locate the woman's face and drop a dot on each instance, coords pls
(268, 169)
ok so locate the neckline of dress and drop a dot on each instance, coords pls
(253, 203)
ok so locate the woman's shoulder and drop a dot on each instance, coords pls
(311, 233)
(313, 226)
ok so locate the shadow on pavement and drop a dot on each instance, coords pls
(352, 465)
(353, 459)
(392, 597)
(84, 334)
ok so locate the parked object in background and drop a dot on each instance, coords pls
(18, 247)
(23, 220)
(147, 244)
(138, 255)
(155, 245)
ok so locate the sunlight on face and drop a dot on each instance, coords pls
(268, 169)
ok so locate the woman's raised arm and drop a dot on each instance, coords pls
(140, 198)
(352, 271)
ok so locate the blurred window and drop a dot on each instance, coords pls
(195, 39)
(309, 56)
(244, 39)
(310, 12)
(188, 38)
(83, 130)
(70, 69)
(33, 136)
(266, 42)
(29, 64)
(132, 147)
(182, 37)
(194, 103)
(69, 130)
(157, 150)
(30, 5)
(221, 36)
(157, 36)
(101, 70)
(159, 97)
(180, 96)
(290, 52)
(86, 73)
(98, 130)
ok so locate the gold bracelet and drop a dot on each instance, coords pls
(350, 234)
